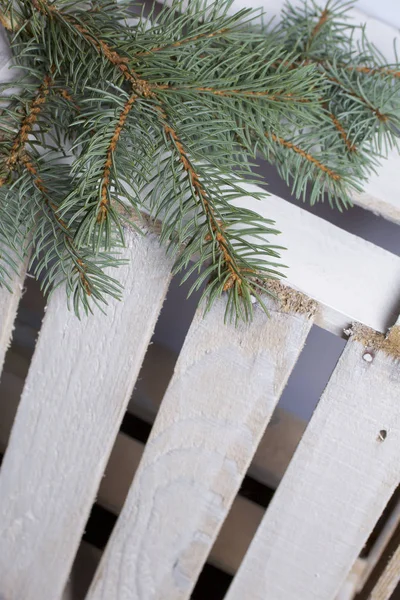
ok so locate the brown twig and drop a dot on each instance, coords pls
(110, 151)
(321, 21)
(304, 154)
(182, 42)
(350, 146)
(216, 228)
(233, 93)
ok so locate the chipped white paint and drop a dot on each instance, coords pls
(337, 485)
(221, 397)
(72, 405)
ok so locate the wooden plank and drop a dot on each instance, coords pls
(337, 485)
(381, 192)
(8, 310)
(8, 301)
(334, 267)
(224, 389)
(350, 586)
(385, 577)
(380, 546)
(236, 532)
(269, 463)
(76, 392)
(388, 580)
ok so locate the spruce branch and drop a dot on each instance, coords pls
(165, 117)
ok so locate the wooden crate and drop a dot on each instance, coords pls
(176, 494)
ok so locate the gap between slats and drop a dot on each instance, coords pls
(341, 477)
(226, 384)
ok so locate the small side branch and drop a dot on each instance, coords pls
(29, 121)
(321, 21)
(104, 202)
(234, 93)
(195, 38)
(140, 86)
(39, 184)
(351, 147)
(309, 157)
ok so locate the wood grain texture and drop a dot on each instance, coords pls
(237, 530)
(76, 392)
(337, 485)
(388, 580)
(220, 399)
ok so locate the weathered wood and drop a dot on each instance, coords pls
(236, 532)
(224, 389)
(337, 485)
(76, 392)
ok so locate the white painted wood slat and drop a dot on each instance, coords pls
(8, 301)
(76, 392)
(221, 397)
(336, 487)
(8, 309)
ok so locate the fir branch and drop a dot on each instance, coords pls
(39, 184)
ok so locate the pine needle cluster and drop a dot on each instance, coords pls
(165, 113)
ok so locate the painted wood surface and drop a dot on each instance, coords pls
(8, 309)
(337, 485)
(237, 530)
(334, 267)
(224, 389)
(77, 389)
